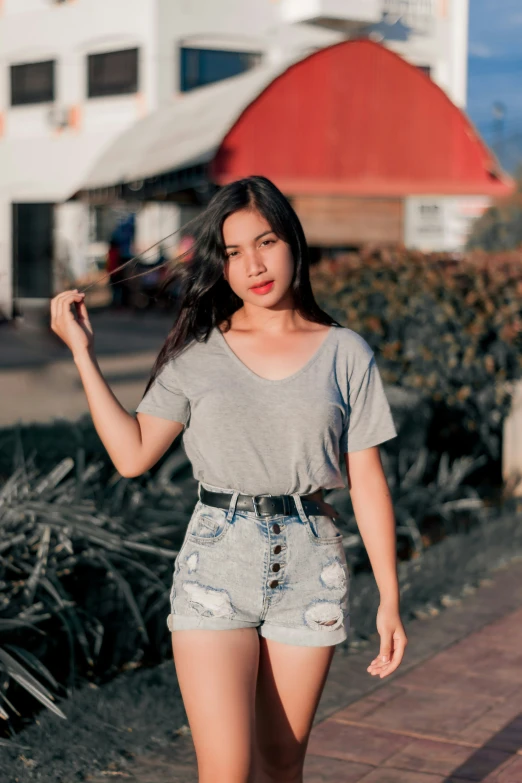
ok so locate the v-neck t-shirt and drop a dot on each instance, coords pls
(261, 436)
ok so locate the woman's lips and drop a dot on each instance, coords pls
(263, 289)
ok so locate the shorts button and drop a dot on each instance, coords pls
(277, 549)
(276, 567)
(274, 583)
(276, 528)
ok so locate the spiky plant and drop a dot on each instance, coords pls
(425, 510)
(74, 552)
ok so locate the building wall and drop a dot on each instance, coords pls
(253, 26)
(40, 161)
(335, 221)
(68, 33)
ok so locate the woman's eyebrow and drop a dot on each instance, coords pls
(255, 238)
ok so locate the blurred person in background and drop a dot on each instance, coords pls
(116, 279)
(270, 392)
(124, 234)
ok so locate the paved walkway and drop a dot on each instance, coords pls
(457, 717)
(39, 381)
(452, 713)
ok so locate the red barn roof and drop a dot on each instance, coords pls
(355, 118)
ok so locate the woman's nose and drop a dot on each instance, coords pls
(254, 263)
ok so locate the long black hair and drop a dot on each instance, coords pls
(205, 297)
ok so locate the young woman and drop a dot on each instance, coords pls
(270, 393)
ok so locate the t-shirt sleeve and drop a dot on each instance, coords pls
(165, 397)
(369, 421)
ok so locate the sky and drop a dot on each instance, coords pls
(495, 64)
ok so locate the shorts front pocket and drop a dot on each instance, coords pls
(322, 529)
(208, 524)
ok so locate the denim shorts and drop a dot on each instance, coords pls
(287, 576)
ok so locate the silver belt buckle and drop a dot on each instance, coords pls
(254, 503)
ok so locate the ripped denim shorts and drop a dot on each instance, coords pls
(287, 576)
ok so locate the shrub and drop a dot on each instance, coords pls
(500, 227)
(85, 570)
(449, 328)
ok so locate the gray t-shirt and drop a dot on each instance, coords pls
(263, 436)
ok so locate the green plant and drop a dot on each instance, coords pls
(449, 328)
(426, 511)
(74, 552)
(500, 227)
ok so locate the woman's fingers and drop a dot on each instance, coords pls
(377, 665)
(70, 320)
(81, 309)
(64, 306)
(58, 300)
(384, 668)
(58, 307)
(395, 661)
(61, 307)
(386, 650)
(67, 309)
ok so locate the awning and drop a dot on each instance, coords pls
(182, 135)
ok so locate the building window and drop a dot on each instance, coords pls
(113, 73)
(32, 83)
(204, 66)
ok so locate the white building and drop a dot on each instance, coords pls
(74, 74)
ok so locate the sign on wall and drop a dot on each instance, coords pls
(441, 222)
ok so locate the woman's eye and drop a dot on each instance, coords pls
(268, 241)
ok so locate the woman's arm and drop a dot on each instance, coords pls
(373, 510)
(375, 518)
(133, 444)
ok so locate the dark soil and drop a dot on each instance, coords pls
(138, 711)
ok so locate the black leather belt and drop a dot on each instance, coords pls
(262, 505)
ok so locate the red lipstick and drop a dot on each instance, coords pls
(263, 289)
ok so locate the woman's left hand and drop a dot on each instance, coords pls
(393, 642)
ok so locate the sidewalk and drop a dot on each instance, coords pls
(451, 713)
(116, 333)
(42, 393)
(39, 380)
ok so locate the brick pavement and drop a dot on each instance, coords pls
(451, 713)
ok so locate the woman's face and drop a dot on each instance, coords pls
(255, 254)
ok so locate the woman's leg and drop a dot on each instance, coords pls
(217, 673)
(290, 683)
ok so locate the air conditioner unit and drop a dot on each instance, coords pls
(58, 117)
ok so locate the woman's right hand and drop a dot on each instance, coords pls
(76, 333)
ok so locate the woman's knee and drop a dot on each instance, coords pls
(282, 762)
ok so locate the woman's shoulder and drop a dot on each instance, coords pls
(193, 352)
(352, 345)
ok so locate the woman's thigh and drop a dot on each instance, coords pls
(290, 682)
(217, 673)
